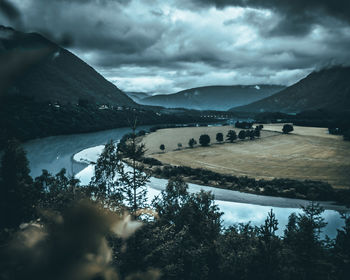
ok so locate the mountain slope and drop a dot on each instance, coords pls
(326, 89)
(32, 66)
(213, 97)
(137, 96)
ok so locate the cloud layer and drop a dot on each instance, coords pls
(163, 46)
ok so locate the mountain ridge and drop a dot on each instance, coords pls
(328, 88)
(216, 97)
(33, 66)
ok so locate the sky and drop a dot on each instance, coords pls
(164, 46)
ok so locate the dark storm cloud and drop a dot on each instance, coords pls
(169, 45)
(11, 12)
(297, 16)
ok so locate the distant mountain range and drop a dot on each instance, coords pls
(33, 66)
(213, 97)
(327, 89)
(137, 96)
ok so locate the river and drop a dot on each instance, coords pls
(56, 152)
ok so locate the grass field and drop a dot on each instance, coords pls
(307, 153)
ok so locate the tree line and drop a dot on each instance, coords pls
(231, 136)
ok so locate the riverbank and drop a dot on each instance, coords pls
(159, 183)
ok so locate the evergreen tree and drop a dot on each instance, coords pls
(133, 177)
(18, 195)
(341, 252)
(269, 248)
(302, 237)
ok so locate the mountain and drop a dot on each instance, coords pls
(326, 89)
(213, 97)
(32, 66)
(137, 96)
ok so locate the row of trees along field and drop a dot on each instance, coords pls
(204, 139)
(68, 234)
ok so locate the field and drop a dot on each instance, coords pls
(307, 153)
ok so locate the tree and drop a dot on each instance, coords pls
(242, 135)
(60, 191)
(269, 247)
(181, 242)
(104, 184)
(162, 147)
(204, 140)
(342, 249)
(287, 128)
(231, 136)
(18, 195)
(134, 178)
(219, 137)
(302, 237)
(192, 142)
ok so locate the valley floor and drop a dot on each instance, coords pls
(307, 153)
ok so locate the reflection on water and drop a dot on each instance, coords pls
(237, 212)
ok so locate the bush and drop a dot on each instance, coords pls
(287, 128)
(204, 140)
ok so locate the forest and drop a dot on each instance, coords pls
(24, 118)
